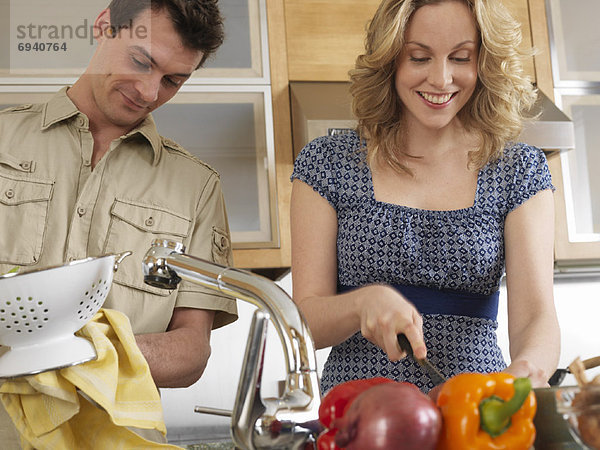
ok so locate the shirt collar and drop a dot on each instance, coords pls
(60, 108)
(147, 129)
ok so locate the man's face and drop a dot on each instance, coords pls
(139, 69)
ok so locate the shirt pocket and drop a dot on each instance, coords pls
(133, 226)
(24, 204)
(221, 247)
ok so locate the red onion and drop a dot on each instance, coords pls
(390, 416)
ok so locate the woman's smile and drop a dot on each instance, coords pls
(437, 99)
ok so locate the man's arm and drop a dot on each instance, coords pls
(178, 357)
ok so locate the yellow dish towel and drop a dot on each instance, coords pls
(49, 413)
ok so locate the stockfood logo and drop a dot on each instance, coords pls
(56, 38)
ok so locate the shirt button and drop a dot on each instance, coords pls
(223, 241)
(25, 165)
(80, 121)
(149, 222)
(9, 193)
(81, 211)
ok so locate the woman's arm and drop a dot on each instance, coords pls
(378, 311)
(532, 322)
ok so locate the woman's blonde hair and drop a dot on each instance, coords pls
(495, 110)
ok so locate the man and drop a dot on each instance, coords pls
(95, 177)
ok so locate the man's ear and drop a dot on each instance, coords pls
(102, 27)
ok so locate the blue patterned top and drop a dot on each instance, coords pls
(458, 250)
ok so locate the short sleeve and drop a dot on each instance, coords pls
(531, 175)
(210, 240)
(315, 166)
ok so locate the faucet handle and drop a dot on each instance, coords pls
(213, 411)
(249, 408)
(156, 271)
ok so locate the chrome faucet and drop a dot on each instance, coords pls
(289, 421)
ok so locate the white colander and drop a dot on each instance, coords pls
(41, 310)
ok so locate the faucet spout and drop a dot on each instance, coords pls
(285, 422)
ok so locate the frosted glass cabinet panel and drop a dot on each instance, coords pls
(53, 41)
(574, 38)
(232, 132)
(244, 51)
(580, 166)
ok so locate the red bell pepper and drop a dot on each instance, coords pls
(336, 402)
(326, 440)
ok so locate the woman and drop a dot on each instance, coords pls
(407, 225)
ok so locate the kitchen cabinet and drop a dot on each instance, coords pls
(53, 42)
(47, 43)
(233, 113)
(325, 37)
(568, 71)
(229, 131)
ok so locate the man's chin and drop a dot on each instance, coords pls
(127, 119)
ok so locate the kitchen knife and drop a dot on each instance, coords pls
(433, 373)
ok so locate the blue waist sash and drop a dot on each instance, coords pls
(446, 301)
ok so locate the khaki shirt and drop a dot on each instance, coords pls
(54, 208)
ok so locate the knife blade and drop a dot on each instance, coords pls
(431, 370)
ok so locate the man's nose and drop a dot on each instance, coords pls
(440, 74)
(148, 86)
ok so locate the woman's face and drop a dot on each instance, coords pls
(437, 70)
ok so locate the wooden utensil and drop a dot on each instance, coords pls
(559, 375)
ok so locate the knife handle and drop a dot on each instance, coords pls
(431, 370)
(405, 345)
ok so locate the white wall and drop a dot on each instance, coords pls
(578, 306)
(577, 302)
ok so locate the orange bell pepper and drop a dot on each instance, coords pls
(487, 411)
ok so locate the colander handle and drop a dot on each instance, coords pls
(119, 257)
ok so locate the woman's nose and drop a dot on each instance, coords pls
(440, 74)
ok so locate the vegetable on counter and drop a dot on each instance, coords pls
(487, 411)
(378, 414)
(390, 416)
(336, 402)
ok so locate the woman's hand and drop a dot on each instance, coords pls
(378, 311)
(384, 313)
(523, 368)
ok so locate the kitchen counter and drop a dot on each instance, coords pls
(216, 437)
(227, 445)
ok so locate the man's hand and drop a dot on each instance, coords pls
(178, 357)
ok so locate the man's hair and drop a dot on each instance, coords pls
(197, 22)
(495, 111)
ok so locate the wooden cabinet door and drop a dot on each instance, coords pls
(324, 37)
